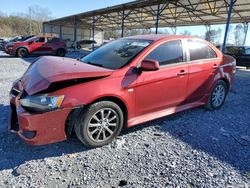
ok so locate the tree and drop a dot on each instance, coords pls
(38, 15)
(239, 34)
(20, 23)
(186, 32)
(211, 35)
(163, 31)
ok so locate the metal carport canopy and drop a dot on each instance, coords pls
(159, 13)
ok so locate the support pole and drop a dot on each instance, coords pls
(246, 31)
(51, 30)
(123, 19)
(93, 32)
(75, 31)
(157, 18)
(229, 13)
(43, 29)
(60, 34)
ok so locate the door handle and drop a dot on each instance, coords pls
(215, 66)
(181, 73)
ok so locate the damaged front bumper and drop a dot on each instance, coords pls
(36, 129)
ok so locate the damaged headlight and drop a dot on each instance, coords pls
(42, 103)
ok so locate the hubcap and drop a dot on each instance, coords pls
(22, 52)
(102, 124)
(218, 95)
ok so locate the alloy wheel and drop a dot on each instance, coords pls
(22, 52)
(102, 125)
(218, 95)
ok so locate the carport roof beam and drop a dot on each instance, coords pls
(173, 14)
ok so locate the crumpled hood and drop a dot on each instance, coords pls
(48, 69)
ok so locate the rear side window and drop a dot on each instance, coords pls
(40, 39)
(167, 53)
(51, 40)
(199, 50)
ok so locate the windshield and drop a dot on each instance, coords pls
(116, 54)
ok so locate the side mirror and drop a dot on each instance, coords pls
(149, 65)
(31, 42)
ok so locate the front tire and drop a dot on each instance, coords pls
(217, 96)
(22, 52)
(99, 124)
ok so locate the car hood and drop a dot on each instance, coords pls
(47, 70)
(15, 43)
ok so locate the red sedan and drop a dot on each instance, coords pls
(123, 83)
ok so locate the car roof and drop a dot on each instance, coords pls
(156, 37)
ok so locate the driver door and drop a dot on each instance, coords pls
(37, 45)
(158, 90)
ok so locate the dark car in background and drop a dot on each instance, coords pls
(84, 44)
(1, 43)
(240, 53)
(37, 45)
(4, 44)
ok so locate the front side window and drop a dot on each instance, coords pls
(116, 54)
(199, 50)
(167, 53)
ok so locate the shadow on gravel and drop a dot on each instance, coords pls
(223, 134)
(14, 152)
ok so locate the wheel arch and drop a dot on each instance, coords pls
(21, 47)
(69, 125)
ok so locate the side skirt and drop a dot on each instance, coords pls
(162, 113)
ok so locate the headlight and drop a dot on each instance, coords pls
(42, 103)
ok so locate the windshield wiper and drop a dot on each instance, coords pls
(95, 64)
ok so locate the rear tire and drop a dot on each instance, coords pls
(99, 124)
(217, 96)
(22, 52)
(61, 52)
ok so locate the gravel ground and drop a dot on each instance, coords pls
(195, 148)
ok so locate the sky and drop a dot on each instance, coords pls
(61, 8)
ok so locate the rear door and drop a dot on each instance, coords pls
(202, 65)
(157, 90)
(47, 47)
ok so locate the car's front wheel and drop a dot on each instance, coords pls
(22, 52)
(217, 96)
(99, 124)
